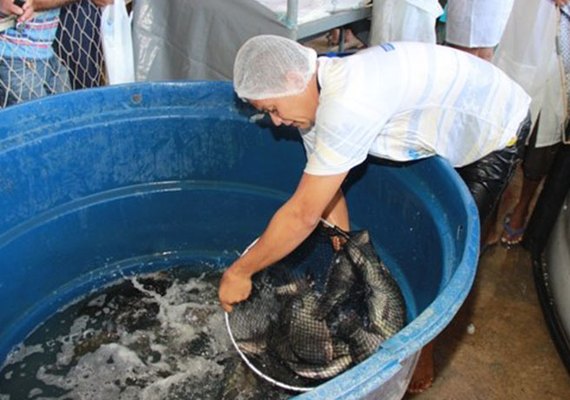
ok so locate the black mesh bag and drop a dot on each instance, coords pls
(318, 311)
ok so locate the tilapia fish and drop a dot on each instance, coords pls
(385, 302)
(360, 307)
(297, 336)
(318, 331)
(361, 342)
(338, 286)
(325, 371)
(251, 321)
(310, 338)
(341, 360)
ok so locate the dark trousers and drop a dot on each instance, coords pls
(488, 177)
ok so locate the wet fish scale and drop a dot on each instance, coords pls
(329, 370)
(386, 305)
(360, 342)
(310, 338)
(324, 315)
(340, 281)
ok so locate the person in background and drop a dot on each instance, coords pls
(476, 26)
(29, 68)
(387, 101)
(78, 42)
(397, 20)
(404, 20)
(541, 65)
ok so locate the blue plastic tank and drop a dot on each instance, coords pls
(104, 183)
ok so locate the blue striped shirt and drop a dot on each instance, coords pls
(35, 40)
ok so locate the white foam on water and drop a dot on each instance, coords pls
(161, 389)
(98, 301)
(20, 352)
(178, 352)
(77, 329)
(99, 375)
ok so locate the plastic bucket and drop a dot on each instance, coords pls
(103, 183)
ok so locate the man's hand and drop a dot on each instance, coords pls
(561, 2)
(337, 242)
(24, 11)
(234, 287)
(289, 226)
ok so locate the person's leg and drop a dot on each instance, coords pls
(55, 76)
(78, 43)
(536, 165)
(488, 177)
(513, 226)
(19, 80)
(343, 37)
(424, 372)
(5, 95)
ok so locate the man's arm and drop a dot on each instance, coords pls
(42, 5)
(337, 212)
(290, 225)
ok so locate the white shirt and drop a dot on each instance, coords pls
(477, 23)
(405, 101)
(530, 57)
(404, 20)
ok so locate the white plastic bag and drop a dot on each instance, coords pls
(117, 42)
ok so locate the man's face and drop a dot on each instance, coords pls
(298, 110)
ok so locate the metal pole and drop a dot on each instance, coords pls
(292, 12)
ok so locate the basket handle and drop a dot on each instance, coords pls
(336, 229)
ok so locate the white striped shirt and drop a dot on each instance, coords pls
(406, 101)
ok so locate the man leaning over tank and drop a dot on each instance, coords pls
(399, 101)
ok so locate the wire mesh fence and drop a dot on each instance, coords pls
(58, 50)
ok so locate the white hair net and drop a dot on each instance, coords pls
(269, 66)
